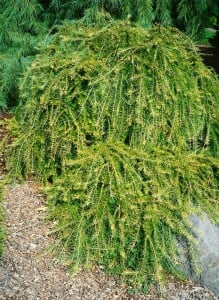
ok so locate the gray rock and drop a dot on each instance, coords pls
(207, 235)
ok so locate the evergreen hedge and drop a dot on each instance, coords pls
(122, 124)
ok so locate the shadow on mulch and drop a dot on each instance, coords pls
(4, 116)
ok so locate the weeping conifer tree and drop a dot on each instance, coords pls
(123, 123)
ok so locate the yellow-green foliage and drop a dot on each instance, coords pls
(124, 123)
(122, 207)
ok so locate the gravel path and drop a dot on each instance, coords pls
(29, 270)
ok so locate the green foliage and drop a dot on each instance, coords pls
(191, 16)
(126, 131)
(144, 87)
(122, 207)
(195, 16)
(21, 30)
(12, 65)
(207, 34)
